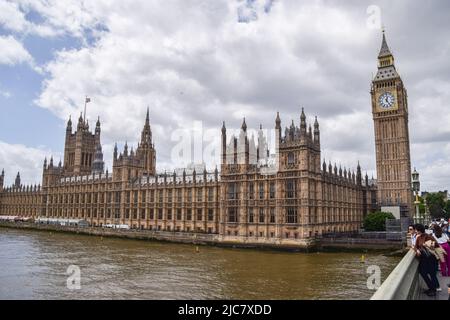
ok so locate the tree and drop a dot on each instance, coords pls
(376, 221)
(436, 204)
(447, 210)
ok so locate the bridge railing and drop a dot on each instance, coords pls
(403, 282)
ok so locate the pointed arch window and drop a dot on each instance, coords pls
(291, 158)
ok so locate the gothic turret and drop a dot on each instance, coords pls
(146, 151)
(146, 135)
(17, 183)
(115, 152)
(69, 126)
(80, 125)
(98, 165)
(316, 132)
(97, 127)
(358, 175)
(244, 126)
(303, 122)
(125, 149)
(278, 126)
(2, 179)
(224, 143)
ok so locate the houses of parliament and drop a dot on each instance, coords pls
(303, 198)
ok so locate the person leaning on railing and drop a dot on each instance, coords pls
(444, 241)
(412, 234)
(425, 249)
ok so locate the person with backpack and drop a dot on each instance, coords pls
(425, 252)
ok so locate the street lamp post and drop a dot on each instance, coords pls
(416, 189)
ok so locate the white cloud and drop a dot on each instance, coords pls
(29, 161)
(11, 17)
(194, 61)
(12, 52)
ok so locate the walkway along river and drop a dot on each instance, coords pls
(34, 266)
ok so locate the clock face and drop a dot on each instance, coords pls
(386, 100)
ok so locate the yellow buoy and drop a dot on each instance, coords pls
(196, 249)
(363, 259)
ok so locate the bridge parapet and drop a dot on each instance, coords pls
(403, 283)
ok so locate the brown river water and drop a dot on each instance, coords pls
(34, 264)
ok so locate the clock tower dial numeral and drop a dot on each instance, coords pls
(386, 100)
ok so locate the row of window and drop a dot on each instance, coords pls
(233, 190)
(198, 215)
(290, 217)
(130, 196)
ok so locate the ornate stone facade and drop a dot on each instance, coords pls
(301, 199)
(291, 195)
(390, 115)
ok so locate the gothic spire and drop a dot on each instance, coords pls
(384, 51)
(80, 122)
(303, 121)
(244, 125)
(224, 129)
(115, 150)
(147, 118)
(17, 181)
(278, 121)
(303, 116)
(146, 135)
(69, 124)
(125, 149)
(97, 126)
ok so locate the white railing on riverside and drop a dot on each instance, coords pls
(402, 283)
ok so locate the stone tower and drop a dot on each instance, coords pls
(51, 174)
(130, 165)
(80, 147)
(390, 116)
(146, 149)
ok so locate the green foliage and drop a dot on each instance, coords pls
(421, 208)
(376, 221)
(447, 210)
(436, 205)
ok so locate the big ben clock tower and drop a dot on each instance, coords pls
(390, 116)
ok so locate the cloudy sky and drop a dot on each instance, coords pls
(209, 61)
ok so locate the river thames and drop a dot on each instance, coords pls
(34, 265)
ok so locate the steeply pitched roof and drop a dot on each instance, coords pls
(385, 51)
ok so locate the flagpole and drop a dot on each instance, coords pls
(85, 102)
